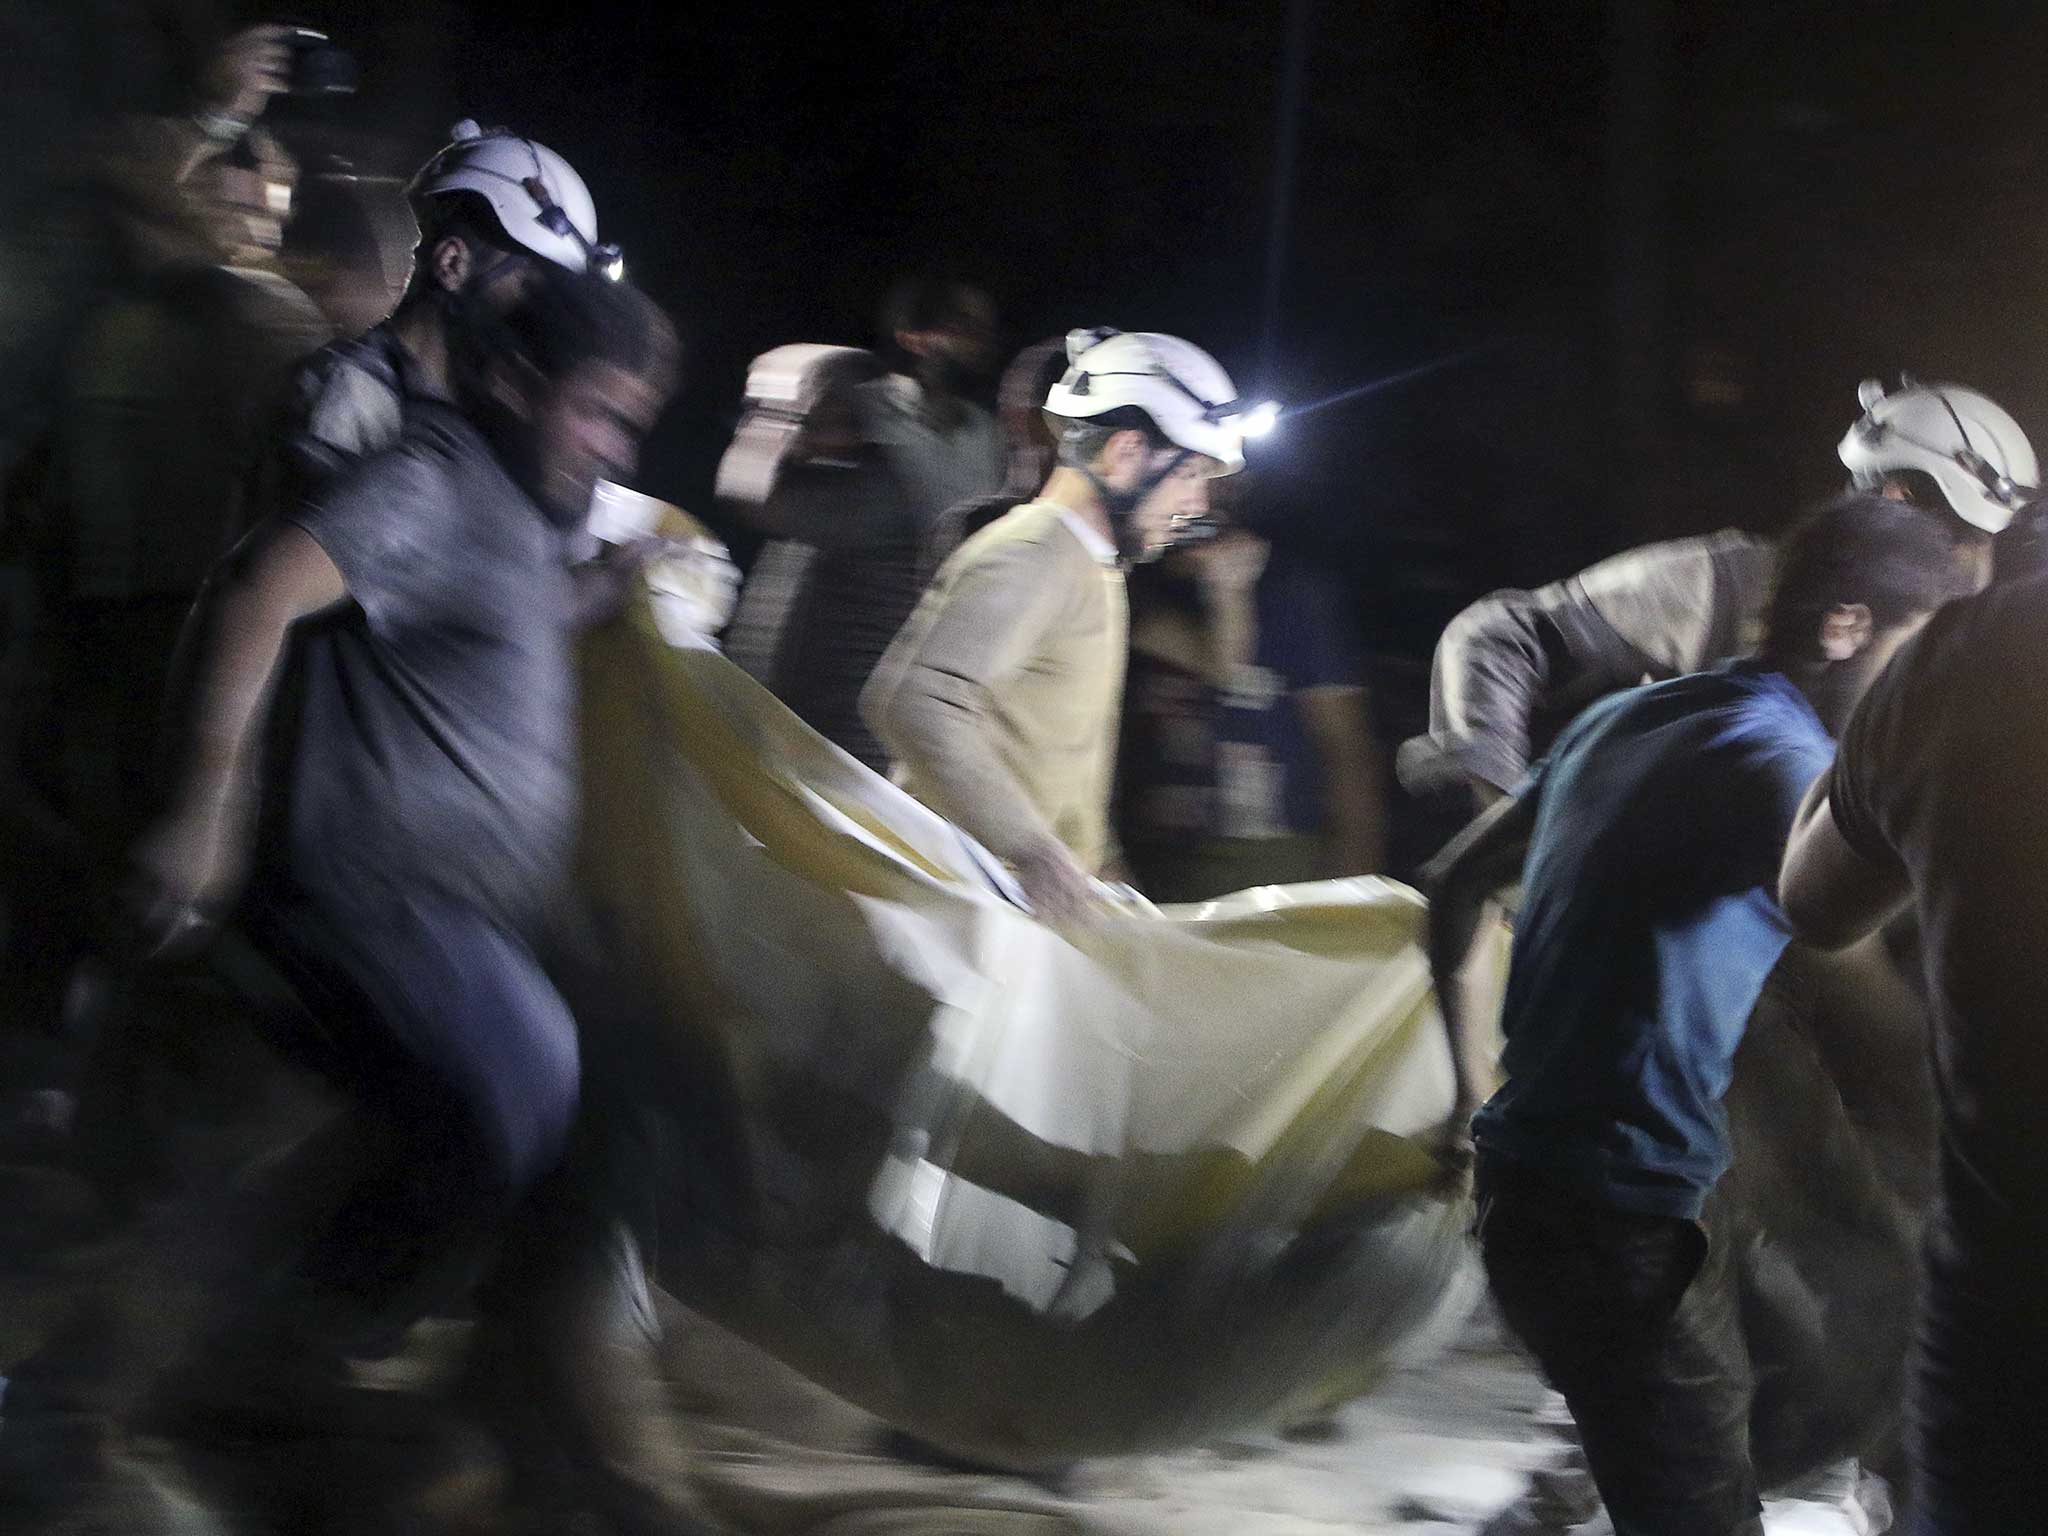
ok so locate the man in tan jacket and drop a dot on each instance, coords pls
(999, 700)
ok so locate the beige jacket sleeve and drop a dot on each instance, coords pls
(932, 700)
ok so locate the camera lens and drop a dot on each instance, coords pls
(321, 69)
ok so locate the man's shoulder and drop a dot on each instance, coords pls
(373, 354)
(1740, 695)
(2009, 620)
(1685, 717)
(1979, 664)
(1026, 558)
(899, 393)
(435, 450)
(1769, 714)
(351, 398)
(432, 511)
(1033, 530)
(884, 406)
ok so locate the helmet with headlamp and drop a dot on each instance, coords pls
(1963, 441)
(539, 200)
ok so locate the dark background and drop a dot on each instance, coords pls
(1660, 243)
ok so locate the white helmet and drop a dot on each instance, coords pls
(539, 199)
(1184, 390)
(1960, 439)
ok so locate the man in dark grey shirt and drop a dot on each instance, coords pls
(420, 799)
(433, 747)
(1512, 670)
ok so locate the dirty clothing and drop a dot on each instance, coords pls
(1515, 667)
(432, 741)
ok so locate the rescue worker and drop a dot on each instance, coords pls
(1000, 698)
(1514, 668)
(490, 205)
(1647, 843)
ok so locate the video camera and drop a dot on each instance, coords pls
(318, 68)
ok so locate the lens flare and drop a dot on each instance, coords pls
(1262, 419)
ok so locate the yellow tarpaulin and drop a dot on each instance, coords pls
(1030, 1194)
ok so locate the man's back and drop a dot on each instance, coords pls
(1646, 930)
(1941, 771)
(1512, 670)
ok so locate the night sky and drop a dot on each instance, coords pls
(1661, 242)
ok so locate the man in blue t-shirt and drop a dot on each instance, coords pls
(1647, 927)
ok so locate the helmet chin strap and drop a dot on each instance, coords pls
(1121, 505)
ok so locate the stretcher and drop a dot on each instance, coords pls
(1029, 1194)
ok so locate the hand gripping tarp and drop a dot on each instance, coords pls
(1029, 1194)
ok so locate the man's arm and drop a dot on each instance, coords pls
(1496, 665)
(931, 702)
(1460, 881)
(194, 858)
(1651, 611)
(1832, 894)
(1352, 775)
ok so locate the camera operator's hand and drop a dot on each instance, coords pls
(253, 67)
(189, 868)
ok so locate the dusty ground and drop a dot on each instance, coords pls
(1453, 1447)
(1449, 1448)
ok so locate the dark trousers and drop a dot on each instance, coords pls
(466, 1059)
(1642, 1343)
(1979, 1438)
